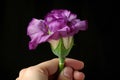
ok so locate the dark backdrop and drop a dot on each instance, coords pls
(93, 46)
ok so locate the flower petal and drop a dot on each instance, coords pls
(60, 33)
(49, 19)
(37, 31)
(77, 25)
(64, 31)
(55, 35)
(71, 17)
(56, 25)
(37, 39)
(34, 41)
(66, 13)
(36, 26)
(81, 25)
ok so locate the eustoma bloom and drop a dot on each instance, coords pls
(58, 28)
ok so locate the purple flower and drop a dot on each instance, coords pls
(57, 24)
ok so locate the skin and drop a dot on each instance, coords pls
(48, 71)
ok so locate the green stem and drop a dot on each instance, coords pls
(61, 63)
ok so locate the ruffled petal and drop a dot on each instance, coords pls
(60, 33)
(37, 39)
(71, 17)
(34, 41)
(49, 19)
(56, 25)
(64, 31)
(37, 31)
(81, 25)
(66, 13)
(54, 35)
(36, 26)
(77, 25)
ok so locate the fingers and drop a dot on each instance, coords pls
(66, 74)
(43, 70)
(17, 78)
(78, 75)
(32, 73)
(75, 64)
(22, 72)
(69, 74)
(40, 71)
(49, 67)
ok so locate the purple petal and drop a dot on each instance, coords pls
(36, 26)
(66, 13)
(64, 31)
(55, 35)
(37, 31)
(77, 25)
(60, 33)
(49, 19)
(34, 41)
(81, 25)
(44, 38)
(71, 17)
(56, 25)
(37, 39)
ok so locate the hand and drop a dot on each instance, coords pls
(47, 70)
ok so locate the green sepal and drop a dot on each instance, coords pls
(60, 50)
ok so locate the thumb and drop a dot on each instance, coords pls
(66, 74)
(39, 72)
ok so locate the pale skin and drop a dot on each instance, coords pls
(47, 70)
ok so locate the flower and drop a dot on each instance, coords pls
(58, 28)
(57, 24)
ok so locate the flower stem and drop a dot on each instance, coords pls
(61, 63)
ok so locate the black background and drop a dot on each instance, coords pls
(93, 46)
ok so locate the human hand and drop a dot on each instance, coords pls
(47, 70)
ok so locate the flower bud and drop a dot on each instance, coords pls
(62, 46)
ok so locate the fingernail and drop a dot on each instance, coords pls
(68, 72)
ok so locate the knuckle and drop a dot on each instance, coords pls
(22, 71)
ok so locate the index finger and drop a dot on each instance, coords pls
(75, 64)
